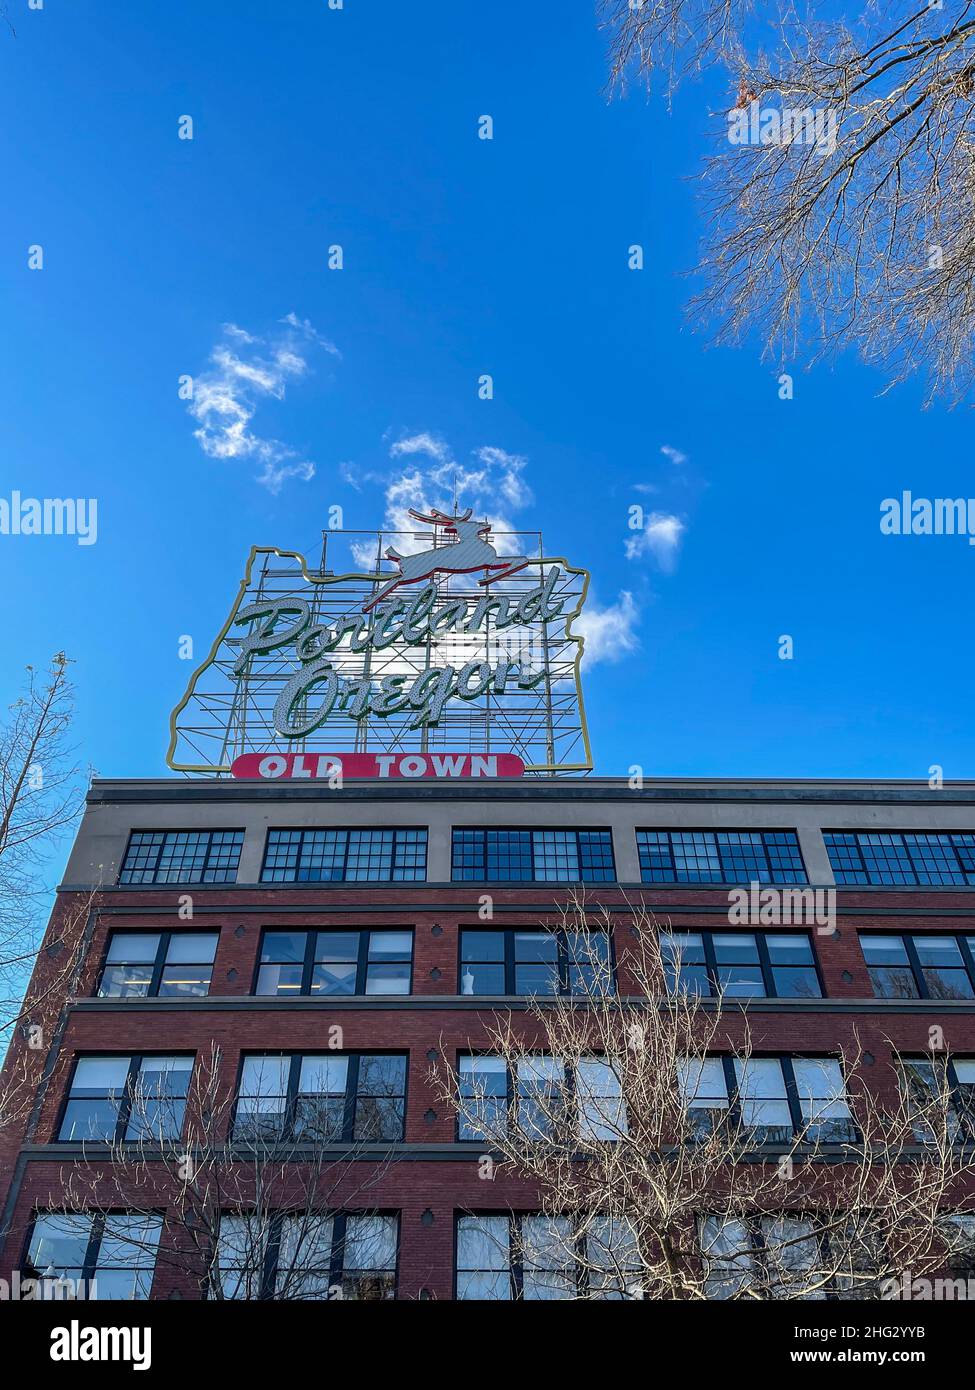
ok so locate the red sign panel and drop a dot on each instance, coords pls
(311, 766)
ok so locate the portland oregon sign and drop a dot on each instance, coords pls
(452, 655)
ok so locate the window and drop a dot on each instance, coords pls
(307, 1255)
(114, 1099)
(182, 856)
(535, 962)
(790, 1255)
(114, 1253)
(939, 1090)
(923, 966)
(545, 1097)
(140, 965)
(741, 964)
(774, 1099)
(335, 962)
(894, 859)
(345, 856)
(720, 856)
(533, 856)
(330, 1098)
(545, 1258)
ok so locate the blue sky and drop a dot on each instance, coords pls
(358, 127)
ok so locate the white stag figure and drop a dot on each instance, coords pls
(468, 553)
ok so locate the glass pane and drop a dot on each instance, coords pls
(61, 1240)
(482, 979)
(789, 949)
(125, 982)
(100, 1075)
(133, 946)
(323, 1075)
(279, 979)
(337, 946)
(185, 981)
(196, 947)
(382, 1075)
(284, 946)
(536, 979)
(265, 1076)
(536, 946)
(334, 978)
(390, 945)
(388, 979)
(482, 945)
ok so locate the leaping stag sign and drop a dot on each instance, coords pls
(469, 553)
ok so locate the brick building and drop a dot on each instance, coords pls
(364, 907)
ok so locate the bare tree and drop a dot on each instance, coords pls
(839, 204)
(258, 1205)
(41, 795)
(664, 1170)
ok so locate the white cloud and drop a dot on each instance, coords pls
(673, 454)
(422, 443)
(245, 369)
(492, 483)
(660, 537)
(609, 632)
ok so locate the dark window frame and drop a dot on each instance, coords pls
(308, 965)
(125, 1102)
(860, 878)
(288, 1134)
(159, 963)
(917, 967)
(516, 1272)
(336, 1272)
(511, 1085)
(712, 965)
(347, 831)
(530, 831)
(964, 1110)
(183, 830)
(510, 964)
(99, 1215)
(785, 1060)
(752, 1221)
(646, 871)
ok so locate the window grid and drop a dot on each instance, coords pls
(590, 1093)
(182, 856)
(351, 856)
(774, 965)
(750, 1107)
(516, 1256)
(343, 1260)
(532, 856)
(126, 1110)
(294, 964)
(894, 859)
(357, 1112)
(924, 965)
(531, 962)
(720, 856)
(179, 964)
(930, 1072)
(115, 1251)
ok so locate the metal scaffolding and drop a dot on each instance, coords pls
(223, 715)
